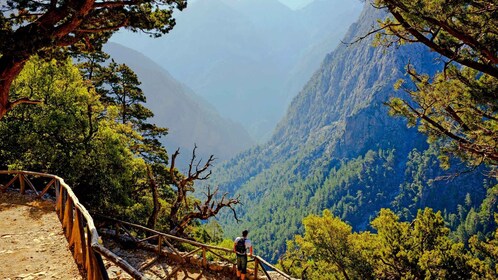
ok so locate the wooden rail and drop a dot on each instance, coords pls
(77, 223)
(165, 241)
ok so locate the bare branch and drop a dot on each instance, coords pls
(207, 209)
(204, 210)
(462, 142)
(485, 68)
(192, 160)
(172, 166)
(24, 100)
(457, 174)
(457, 118)
(371, 32)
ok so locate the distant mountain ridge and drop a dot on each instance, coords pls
(338, 149)
(188, 117)
(248, 57)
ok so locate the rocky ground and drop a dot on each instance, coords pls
(32, 244)
(161, 268)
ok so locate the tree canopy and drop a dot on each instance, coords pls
(420, 249)
(113, 160)
(46, 28)
(459, 104)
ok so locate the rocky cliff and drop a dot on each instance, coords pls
(338, 149)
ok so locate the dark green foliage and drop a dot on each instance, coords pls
(119, 86)
(69, 135)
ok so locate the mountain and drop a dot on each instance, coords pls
(248, 57)
(338, 149)
(189, 118)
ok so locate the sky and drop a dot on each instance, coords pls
(295, 4)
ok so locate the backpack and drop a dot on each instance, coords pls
(240, 247)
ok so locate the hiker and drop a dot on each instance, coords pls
(242, 246)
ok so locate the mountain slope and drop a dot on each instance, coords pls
(337, 148)
(190, 120)
(248, 58)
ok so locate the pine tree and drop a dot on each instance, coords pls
(46, 28)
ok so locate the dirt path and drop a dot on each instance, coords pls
(32, 244)
(160, 269)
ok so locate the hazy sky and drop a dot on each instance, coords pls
(296, 3)
(293, 4)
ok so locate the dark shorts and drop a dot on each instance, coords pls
(242, 263)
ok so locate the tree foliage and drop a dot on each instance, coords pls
(119, 86)
(46, 27)
(69, 134)
(420, 249)
(326, 250)
(459, 104)
(116, 167)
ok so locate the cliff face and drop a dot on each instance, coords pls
(338, 149)
(352, 78)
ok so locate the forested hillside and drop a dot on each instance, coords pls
(190, 120)
(337, 148)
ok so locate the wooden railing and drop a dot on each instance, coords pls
(164, 241)
(77, 223)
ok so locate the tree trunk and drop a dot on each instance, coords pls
(10, 67)
(152, 221)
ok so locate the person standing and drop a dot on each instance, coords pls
(242, 246)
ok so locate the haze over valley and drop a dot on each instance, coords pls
(248, 58)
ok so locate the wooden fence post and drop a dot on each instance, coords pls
(57, 189)
(101, 271)
(89, 256)
(60, 203)
(159, 244)
(204, 259)
(67, 222)
(75, 241)
(256, 264)
(22, 184)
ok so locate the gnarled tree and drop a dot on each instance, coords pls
(181, 211)
(46, 27)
